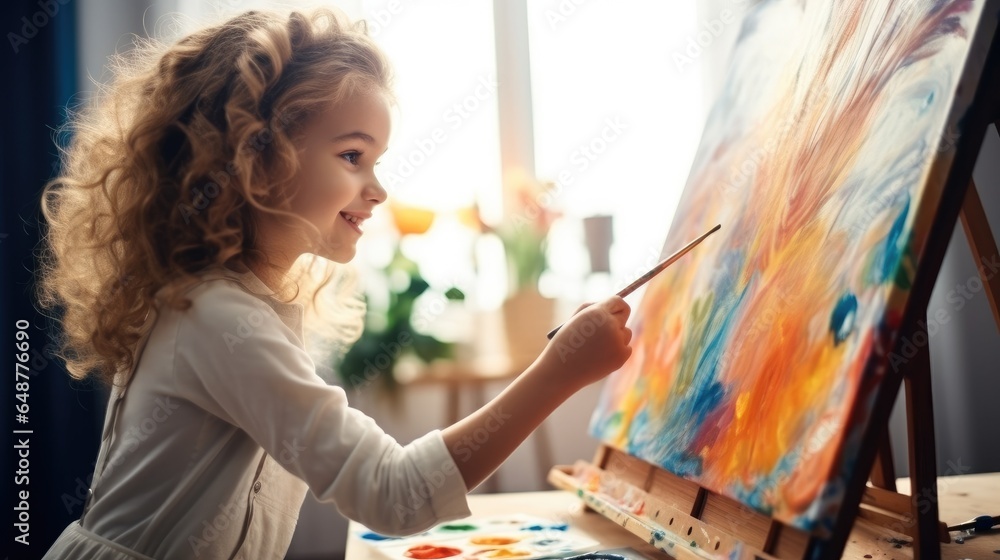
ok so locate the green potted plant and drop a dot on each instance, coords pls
(389, 333)
(528, 315)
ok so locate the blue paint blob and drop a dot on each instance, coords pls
(659, 535)
(377, 537)
(928, 101)
(843, 317)
(557, 527)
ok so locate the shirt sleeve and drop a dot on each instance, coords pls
(242, 363)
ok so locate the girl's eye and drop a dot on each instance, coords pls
(351, 157)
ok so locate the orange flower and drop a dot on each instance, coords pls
(529, 199)
(472, 219)
(411, 219)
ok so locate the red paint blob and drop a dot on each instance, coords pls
(429, 552)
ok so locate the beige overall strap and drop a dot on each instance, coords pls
(111, 417)
(118, 394)
(247, 518)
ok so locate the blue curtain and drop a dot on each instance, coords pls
(40, 79)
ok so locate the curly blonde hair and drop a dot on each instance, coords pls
(170, 166)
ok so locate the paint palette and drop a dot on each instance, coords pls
(511, 536)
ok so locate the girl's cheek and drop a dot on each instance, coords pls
(329, 199)
(326, 185)
(321, 186)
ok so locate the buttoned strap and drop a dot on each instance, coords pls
(111, 418)
(247, 519)
(118, 395)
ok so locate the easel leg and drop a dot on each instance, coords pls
(983, 246)
(884, 470)
(923, 460)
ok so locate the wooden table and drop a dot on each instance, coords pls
(961, 498)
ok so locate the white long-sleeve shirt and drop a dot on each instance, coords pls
(225, 425)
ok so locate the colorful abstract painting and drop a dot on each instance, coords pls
(757, 356)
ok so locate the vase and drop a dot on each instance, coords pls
(528, 316)
(598, 232)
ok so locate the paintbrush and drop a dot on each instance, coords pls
(655, 270)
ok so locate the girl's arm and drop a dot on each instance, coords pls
(592, 344)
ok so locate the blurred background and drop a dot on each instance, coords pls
(538, 152)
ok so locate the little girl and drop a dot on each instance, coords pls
(188, 193)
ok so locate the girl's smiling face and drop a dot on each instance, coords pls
(336, 187)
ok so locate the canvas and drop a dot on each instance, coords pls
(758, 355)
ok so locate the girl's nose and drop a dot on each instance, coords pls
(376, 193)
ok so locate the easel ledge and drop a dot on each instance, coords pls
(677, 516)
(687, 521)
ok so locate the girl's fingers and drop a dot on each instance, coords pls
(616, 305)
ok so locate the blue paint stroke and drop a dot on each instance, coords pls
(556, 527)
(377, 537)
(843, 317)
(890, 251)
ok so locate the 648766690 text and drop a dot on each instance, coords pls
(22, 438)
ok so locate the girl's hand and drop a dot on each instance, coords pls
(592, 344)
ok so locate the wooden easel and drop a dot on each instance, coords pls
(916, 515)
(683, 519)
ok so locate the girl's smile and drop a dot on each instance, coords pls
(355, 220)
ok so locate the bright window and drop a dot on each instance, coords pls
(444, 152)
(445, 149)
(616, 123)
(615, 119)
